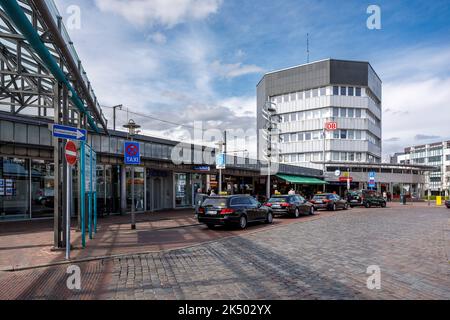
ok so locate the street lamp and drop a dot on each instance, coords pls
(269, 112)
(132, 132)
(114, 115)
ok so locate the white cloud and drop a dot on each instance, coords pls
(166, 13)
(230, 71)
(157, 38)
(416, 98)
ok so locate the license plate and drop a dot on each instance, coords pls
(211, 213)
(319, 202)
(277, 207)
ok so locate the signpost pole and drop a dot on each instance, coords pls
(133, 213)
(90, 195)
(324, 151)
(83, 195)
(68, 214)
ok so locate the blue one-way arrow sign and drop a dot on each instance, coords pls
(65, 132)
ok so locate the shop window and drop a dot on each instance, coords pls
(14, 188)
(42, 188)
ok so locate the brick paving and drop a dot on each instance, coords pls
(324, 257)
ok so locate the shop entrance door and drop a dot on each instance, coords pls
(157, 194)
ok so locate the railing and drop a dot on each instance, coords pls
(68, 42)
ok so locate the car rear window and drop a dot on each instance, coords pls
(321, 197)
(215, 202)
(278, 200)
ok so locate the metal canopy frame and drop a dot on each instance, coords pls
(27, 87)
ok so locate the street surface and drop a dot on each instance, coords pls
(321, 258)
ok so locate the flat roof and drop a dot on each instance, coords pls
(314, 62)
(380, 165)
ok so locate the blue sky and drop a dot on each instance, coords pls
(186, 60)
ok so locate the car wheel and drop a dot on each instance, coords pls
(367, 205)
(346, 206)
(269, 218)
(383, 204)
(312, 211)
(297, 213)
(211, 226)
(334, 207)
(243, 223)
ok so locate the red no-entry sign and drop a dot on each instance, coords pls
(71, 153)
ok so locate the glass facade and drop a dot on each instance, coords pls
(183, 190)
(139, 189)
(14, 188)
(42, 188)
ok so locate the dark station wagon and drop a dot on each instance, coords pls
(236, 210)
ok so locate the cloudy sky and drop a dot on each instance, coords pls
(200, 60)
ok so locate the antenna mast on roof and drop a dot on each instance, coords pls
(307, 47)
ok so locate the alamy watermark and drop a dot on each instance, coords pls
(74, 279)
(189, 153)
(374, 20)
(73, 21)
(374, 280)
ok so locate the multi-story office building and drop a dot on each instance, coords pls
(436, 155)
(308, 96)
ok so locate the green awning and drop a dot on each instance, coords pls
(301, 180)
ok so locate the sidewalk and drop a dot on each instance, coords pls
(29, 243)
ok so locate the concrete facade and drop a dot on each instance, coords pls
(308, 96)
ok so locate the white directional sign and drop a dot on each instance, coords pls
(69, 133)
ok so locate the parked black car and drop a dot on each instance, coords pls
(447, 204)
(329, 201)
(236, 210)
(290, 205)
(366, 198)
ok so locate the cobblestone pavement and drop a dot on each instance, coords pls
(324, 258)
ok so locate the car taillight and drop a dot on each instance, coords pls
(285, 205)
(227, 211)
(312, 201)
(201, 210)
(326, 201)
(268, 205)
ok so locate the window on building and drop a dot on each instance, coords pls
(343, 112)
(335, 91)
(300, 136)
(307, 136)
(351, 91)
(336, 134)
(279, 99)
(293, 117)
(300, 95)
(293, 137)
(336, 156)
(323, 92)
(315, 135)
(351, 113)
(358, 92)
(293, 158)
(315, 93)
(308, 94)
(336, 112)
(343, 134)
(358, 113)
(301, 157)
(358, 135)
(343, 91)
(293, 97)
(286, 98)
(351, 134)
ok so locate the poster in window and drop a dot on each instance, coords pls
(9, 192)
(2, 187)
(9, 183)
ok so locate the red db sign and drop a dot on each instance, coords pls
(331, 126)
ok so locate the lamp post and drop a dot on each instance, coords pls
(269, 111)
(114, 115)
(132, 132)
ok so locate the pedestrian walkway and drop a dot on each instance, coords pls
(30, 243)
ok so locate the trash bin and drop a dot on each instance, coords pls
(404, 199)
